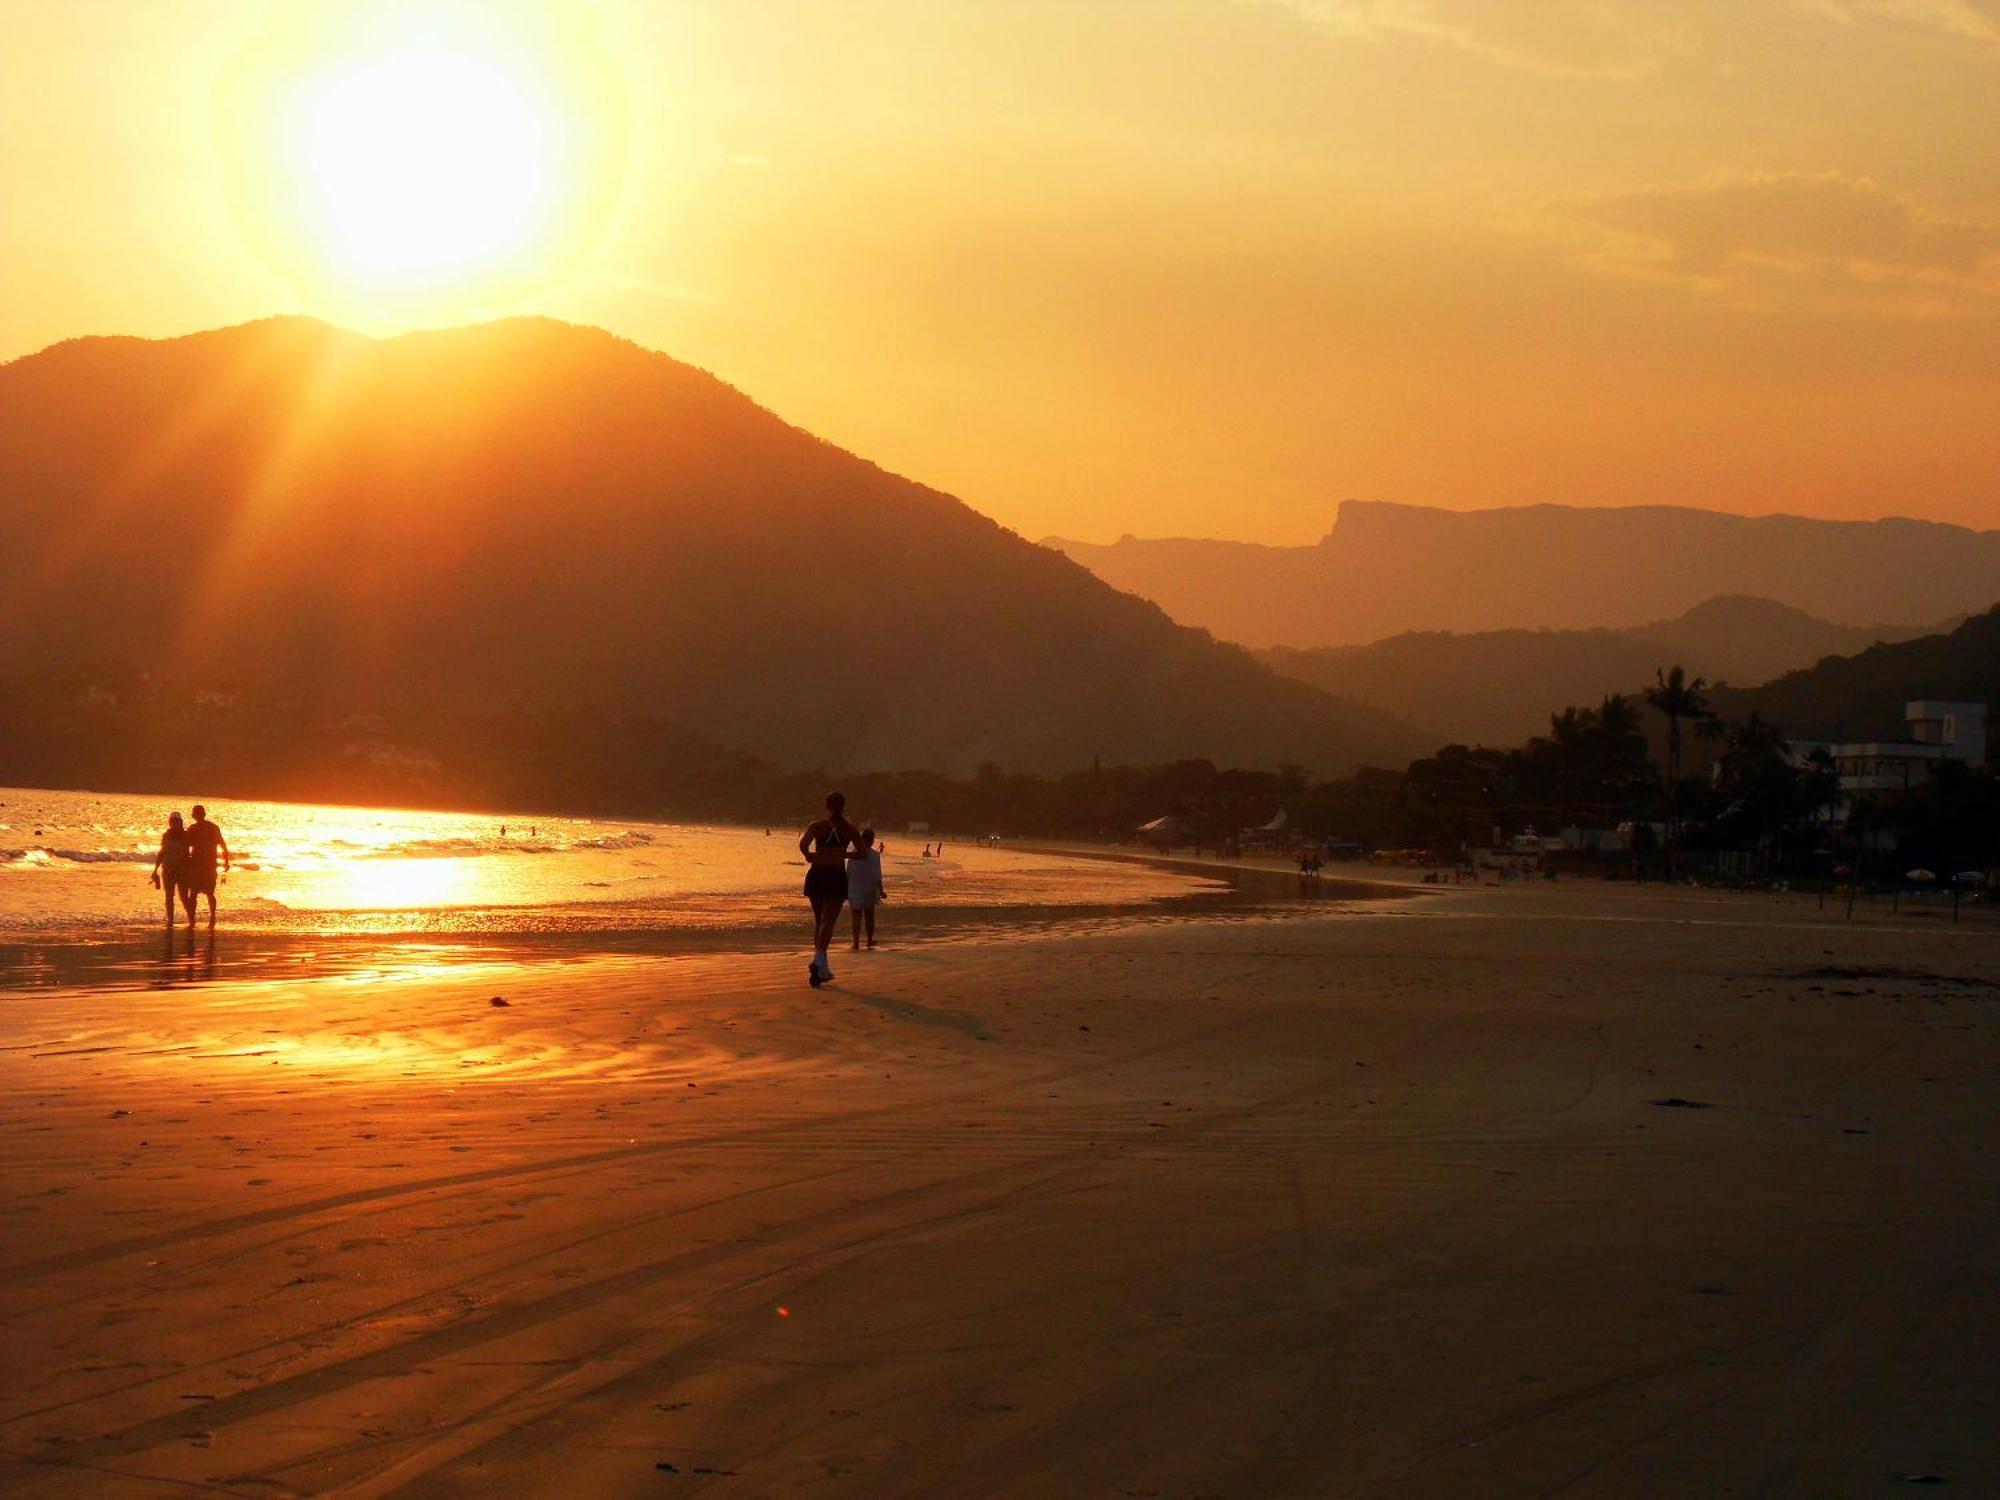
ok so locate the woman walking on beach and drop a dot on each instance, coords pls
(825, 845)
(170, 865)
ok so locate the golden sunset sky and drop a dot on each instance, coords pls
(1197, 267)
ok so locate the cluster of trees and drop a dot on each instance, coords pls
(1741, 789)
(1745, 791)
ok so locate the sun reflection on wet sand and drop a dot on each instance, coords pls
(392, 1025)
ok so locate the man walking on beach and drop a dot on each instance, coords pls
(825, 845)
(205, 841)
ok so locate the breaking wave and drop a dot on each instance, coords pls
(43, 858)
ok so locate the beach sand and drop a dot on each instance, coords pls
(1533, 1191)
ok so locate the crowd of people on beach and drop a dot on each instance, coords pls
(185, 868)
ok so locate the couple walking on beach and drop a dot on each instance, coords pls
(185, 866)
(843, 868)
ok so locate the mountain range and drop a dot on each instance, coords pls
(528, 523)
(1499, 687)
(1386, 569)
(1862, 697)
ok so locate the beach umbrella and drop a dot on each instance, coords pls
(1843, 869)
(1921, 877)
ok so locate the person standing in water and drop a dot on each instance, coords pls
(865, 889)
(825, 845)
(205, 841)
(170, 865)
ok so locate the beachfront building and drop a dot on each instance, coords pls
(1889, 770)
(1276, 834)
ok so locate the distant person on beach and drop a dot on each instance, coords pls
(170, 865)
(865, 888)
(205, 841)
(825, 844)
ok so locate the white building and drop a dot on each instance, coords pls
(1886, 770)
(1959, 729)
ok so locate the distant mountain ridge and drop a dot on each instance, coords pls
(531, 521)
(1499, 687)
(1386, 569)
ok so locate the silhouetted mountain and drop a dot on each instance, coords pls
(526, 521)
(1862, 697)
(1385, 569)
(1498, 687)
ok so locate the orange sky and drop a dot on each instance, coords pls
(1200, 267)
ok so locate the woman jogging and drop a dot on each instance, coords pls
(825, 845)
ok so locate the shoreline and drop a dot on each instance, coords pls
(140, 954)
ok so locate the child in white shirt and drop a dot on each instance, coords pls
(865, 889)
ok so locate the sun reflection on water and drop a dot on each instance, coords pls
(74, 866)
(390, 884)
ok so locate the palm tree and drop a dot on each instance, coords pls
(1678, 697)
(1569, 749)
(1756, 739)
(1619, 721)
(1758, 771)
(1819, 790)
(1623, 764)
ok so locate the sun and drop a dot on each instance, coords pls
(425, 159)
(423, 163)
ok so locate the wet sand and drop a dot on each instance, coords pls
(1569, 1190)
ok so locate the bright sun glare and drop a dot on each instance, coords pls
(423, 162)
(413, 160)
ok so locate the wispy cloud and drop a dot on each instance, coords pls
(1819, 234)
(1576, 38)
(1961, 18)
(653, 286)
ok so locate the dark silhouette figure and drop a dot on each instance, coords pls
(170, 865)
(865, 887)
(825, 844)
(205, 842)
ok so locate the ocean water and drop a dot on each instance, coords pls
(332, 887)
